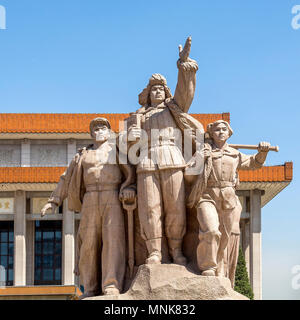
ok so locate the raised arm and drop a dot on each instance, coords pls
(256, 161)
(186, 82)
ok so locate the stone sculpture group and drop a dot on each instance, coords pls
(145, 165)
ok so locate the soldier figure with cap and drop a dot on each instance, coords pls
(94, 184)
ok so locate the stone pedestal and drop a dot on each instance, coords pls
(174, 282)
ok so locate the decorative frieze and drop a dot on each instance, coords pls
(6, 205)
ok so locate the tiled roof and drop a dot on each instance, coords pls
(30, 174)
(51, 174)
(73, 122)
(268, 174)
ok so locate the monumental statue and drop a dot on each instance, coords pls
(95, 184)
(213, 194)
(160, 181)
(157, 175)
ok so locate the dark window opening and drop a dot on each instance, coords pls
(247, 204)
(48, 252)
(28, 205)
(6, 253)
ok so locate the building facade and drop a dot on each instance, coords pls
(35, 149)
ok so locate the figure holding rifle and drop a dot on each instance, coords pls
(213, 194)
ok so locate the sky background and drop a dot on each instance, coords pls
(75, 56)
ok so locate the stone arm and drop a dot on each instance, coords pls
(61, 191)
(130, 178)
(250, 162)
(186, 82)
(255, 161)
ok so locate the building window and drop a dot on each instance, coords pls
(42, 155)
(48, 252)
(6, 253)
(10, 155)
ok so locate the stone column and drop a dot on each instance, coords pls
(25, 153)
(30, 253)
(68, 250)
(246, 244)
(255, 244)
(71, 150)
(20, 239)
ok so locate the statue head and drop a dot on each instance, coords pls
(100, 129)
(219, 130)
(156, 91)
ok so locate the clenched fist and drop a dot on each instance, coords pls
(128, 195)
(264, 146)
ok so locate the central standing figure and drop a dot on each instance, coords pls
(160, 183)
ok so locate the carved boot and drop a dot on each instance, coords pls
(208, 273)
(111, 291)
(175, 250)
(154, 251)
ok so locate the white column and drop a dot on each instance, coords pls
(20, 239)
(25, 153)
(68, 250)
(255, 244)
(71, 149)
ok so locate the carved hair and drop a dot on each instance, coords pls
(156, 79)
(213, 124)
(98, 121)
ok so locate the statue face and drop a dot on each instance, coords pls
(220, 133)
(157, 94)
(101, 132)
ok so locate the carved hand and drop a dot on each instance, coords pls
(264, 146)
(185, 52)
(128, 194)
(48, 206)
(206, 153)
(134, 134)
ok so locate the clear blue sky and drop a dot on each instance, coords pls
(96, 56)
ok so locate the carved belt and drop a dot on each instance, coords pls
(102, 187)
(220, 184)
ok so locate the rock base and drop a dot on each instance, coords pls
(175, 282)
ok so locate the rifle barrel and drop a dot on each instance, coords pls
(251, 147)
